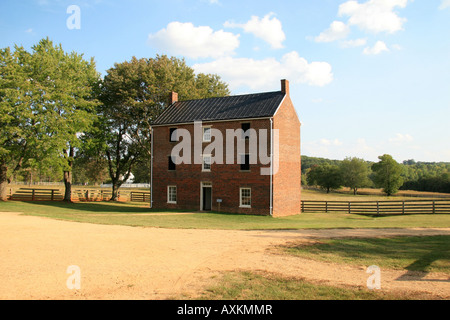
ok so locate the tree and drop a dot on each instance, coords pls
(354, 173)
(133, 94)
(387, 174)
(325, 176)
(16, 118)
(65, 86)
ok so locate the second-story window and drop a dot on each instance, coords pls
(245, 162)
(206, 134)
(173, 135)
(172, 165)
(245, 127)
(206, 166)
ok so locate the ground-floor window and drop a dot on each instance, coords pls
(245, 198)
(172, 194)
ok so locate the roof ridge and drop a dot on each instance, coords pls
(231, 96)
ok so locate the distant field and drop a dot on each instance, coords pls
(368, 195)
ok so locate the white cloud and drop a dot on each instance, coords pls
(327, 142)
(353, 43)
(401, 138)
(444, 4)
(194, 42)
(264, 74)
(337, 30)
(374, 15)
(268, 29)
(378, 48)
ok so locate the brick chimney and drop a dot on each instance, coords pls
(285, 86)
(173, 98)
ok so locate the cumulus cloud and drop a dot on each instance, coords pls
(264, 74)
(194, 42)
(374, 15)
(334, 142)
(378, 48)
(337, 30)
(268, 29)
(444, 4)
(401, 138)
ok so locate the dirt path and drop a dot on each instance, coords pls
(118, 262)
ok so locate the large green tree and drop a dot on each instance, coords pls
(66, 85)
(387, 174)
(47, 101)
(355, 173)
(21, 122)
(133, 94)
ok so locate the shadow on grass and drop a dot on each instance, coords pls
(98, 207)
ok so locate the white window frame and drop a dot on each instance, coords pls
(241, 205)
(203, 134)
(203, 162)
(169, 194)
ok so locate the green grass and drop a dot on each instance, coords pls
(135, 214)
(255, 286)
(426, 254)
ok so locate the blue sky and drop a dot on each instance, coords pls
(367, 77)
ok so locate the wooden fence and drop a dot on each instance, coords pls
(37, 194)
(379, 207)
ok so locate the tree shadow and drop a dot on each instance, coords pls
(415, 269)
(98, 207)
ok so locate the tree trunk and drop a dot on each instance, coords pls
(68, 186)
(115, 191)
(3, 182)
(68, 178)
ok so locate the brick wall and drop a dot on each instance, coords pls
(287, 181)
(226, 179)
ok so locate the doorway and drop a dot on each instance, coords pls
(206, 196)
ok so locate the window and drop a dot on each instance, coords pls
(206, 134)
(245, 198)
(172, 165)
(206, 165)
(245, 162)
(245, 127)
(172, 194)
(173, 137)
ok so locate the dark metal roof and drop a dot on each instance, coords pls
(259, 105)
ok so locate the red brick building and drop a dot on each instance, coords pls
(243, 155)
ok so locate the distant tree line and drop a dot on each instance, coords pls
(357, 173)
(62, 121)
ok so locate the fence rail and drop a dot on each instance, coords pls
(379, 207)
(38, 194)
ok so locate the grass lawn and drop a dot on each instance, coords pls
(427, 254)
(134, 214)
(261, 286)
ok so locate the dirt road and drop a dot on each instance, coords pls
(117, 262)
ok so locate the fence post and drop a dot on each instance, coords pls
(303, 206)
(326, 206)
(53, 192)
(434, 211)
(403, 207)
(349, 207)
(32, 194)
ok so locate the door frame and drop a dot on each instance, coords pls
(205, 184)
